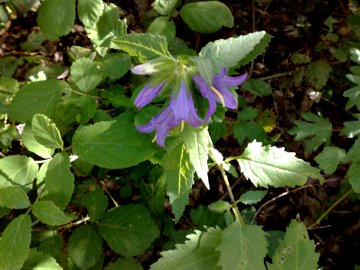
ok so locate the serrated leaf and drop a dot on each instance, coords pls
(252, 196)
(206, 16)
(59, 180)
(199, 252)
(257, 87)
(45, 132)
(96, 203)
(17, 170)
(351, 129)
(250, 131)
(128, 229)
(205, 68)
(15, 243)
(40, 261)
(271, 166)
(164, 7)
(242, 247)
(124, 264)
(163, 26)
(236, 50)
(220, 206)
(107, 28)
(353, 175)
(33, 145)
(85, 246)
(354, 97)
(203, 217)
(36, 97)
(144, 46)
(197, 143)
(330, 158)
(354, 152)
(47, 212)
(113, 144)
(179, 175)
(316, 131)
(115, 65)
(317, 73)
(14, 197)
(89, 11)
(85, 74)
(55, 21)
(295, 251)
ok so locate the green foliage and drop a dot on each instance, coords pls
(257, 87)
(96, 204)
(38, 261)
(164, 7)
(207, 16)
(47, 212)
(85, 74)
(252, 196)
(330, 158)
(163, 26)
(13, 197)
(45, 132)
(33, 145)
(89, 11)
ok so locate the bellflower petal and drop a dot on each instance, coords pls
(147, 94)
(145, 69)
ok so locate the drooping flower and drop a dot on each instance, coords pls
(181, 109)
(219, 91)
(147, 94)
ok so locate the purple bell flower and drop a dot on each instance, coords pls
(147, 94)
(218, 91)
(181, 108)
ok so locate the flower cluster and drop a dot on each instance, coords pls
(181, 107)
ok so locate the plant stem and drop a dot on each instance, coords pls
(317, 222)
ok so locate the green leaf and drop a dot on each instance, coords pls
(317, 73)
(236, 50)
(59, 180)
(36, 97)
(352, 128)
(199, 252)
(295, 251)
(220, 206)
(17, 170)
(144, 46)
(113, 144)
(14, 197)
(85, 74)
(316, 131)
(207, 16)
(163, 26)
(47, 212)
(197, 143)
(257, 87)
(267, 165)
(242, 247)
(85, 246)
(353, 175)
(89, 11)
(330, 158)
(179, 176)
(15, 243)
(55, 21)
(40, 261)
(96, 203)
(252, 196)
(354, 97)
(115, 65)
(107, 28)
(128, 229)
(164, 7)
(203, 217)
(354, 152)
(250, 131)
(205, 68)
(45, 132)
(33, 145)
(124, 264)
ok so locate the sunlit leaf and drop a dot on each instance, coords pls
(47, 212)
(33, 145)
(14, 197)
(89, 11)
(352, 128)
(330, 158)
(85, 74)
(252, 196)
(354, 97)
(45, 132)
(164, 7)
(40, 261)
(163, 26)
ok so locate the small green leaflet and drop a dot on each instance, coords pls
(164, 7)
(96, 203)
(330, 158)
(59, 180)
(85, 246)
(315, 129)
(236, 50)
(55, 22)
(115, 65)
(163, 26)
(352, 128)
(124, 264)
(354, 97)
(242, 247)
(128, 230)
(40, 261)
(252, 196)
(14, 197)
(317, 73)
(144, 46)
(89, 11)
(353, 175)
(257, 87)
(295, 251)
(33, 145)
(18, 170)
(45, 132)
(113, 144)
(15, 243)
(206, 16)
(199, 252)
(48, 213)
(36, 97)
(271, 166)
(85, 74)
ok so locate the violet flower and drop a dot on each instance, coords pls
(218, 91)
(181, 108)
(147, 94)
